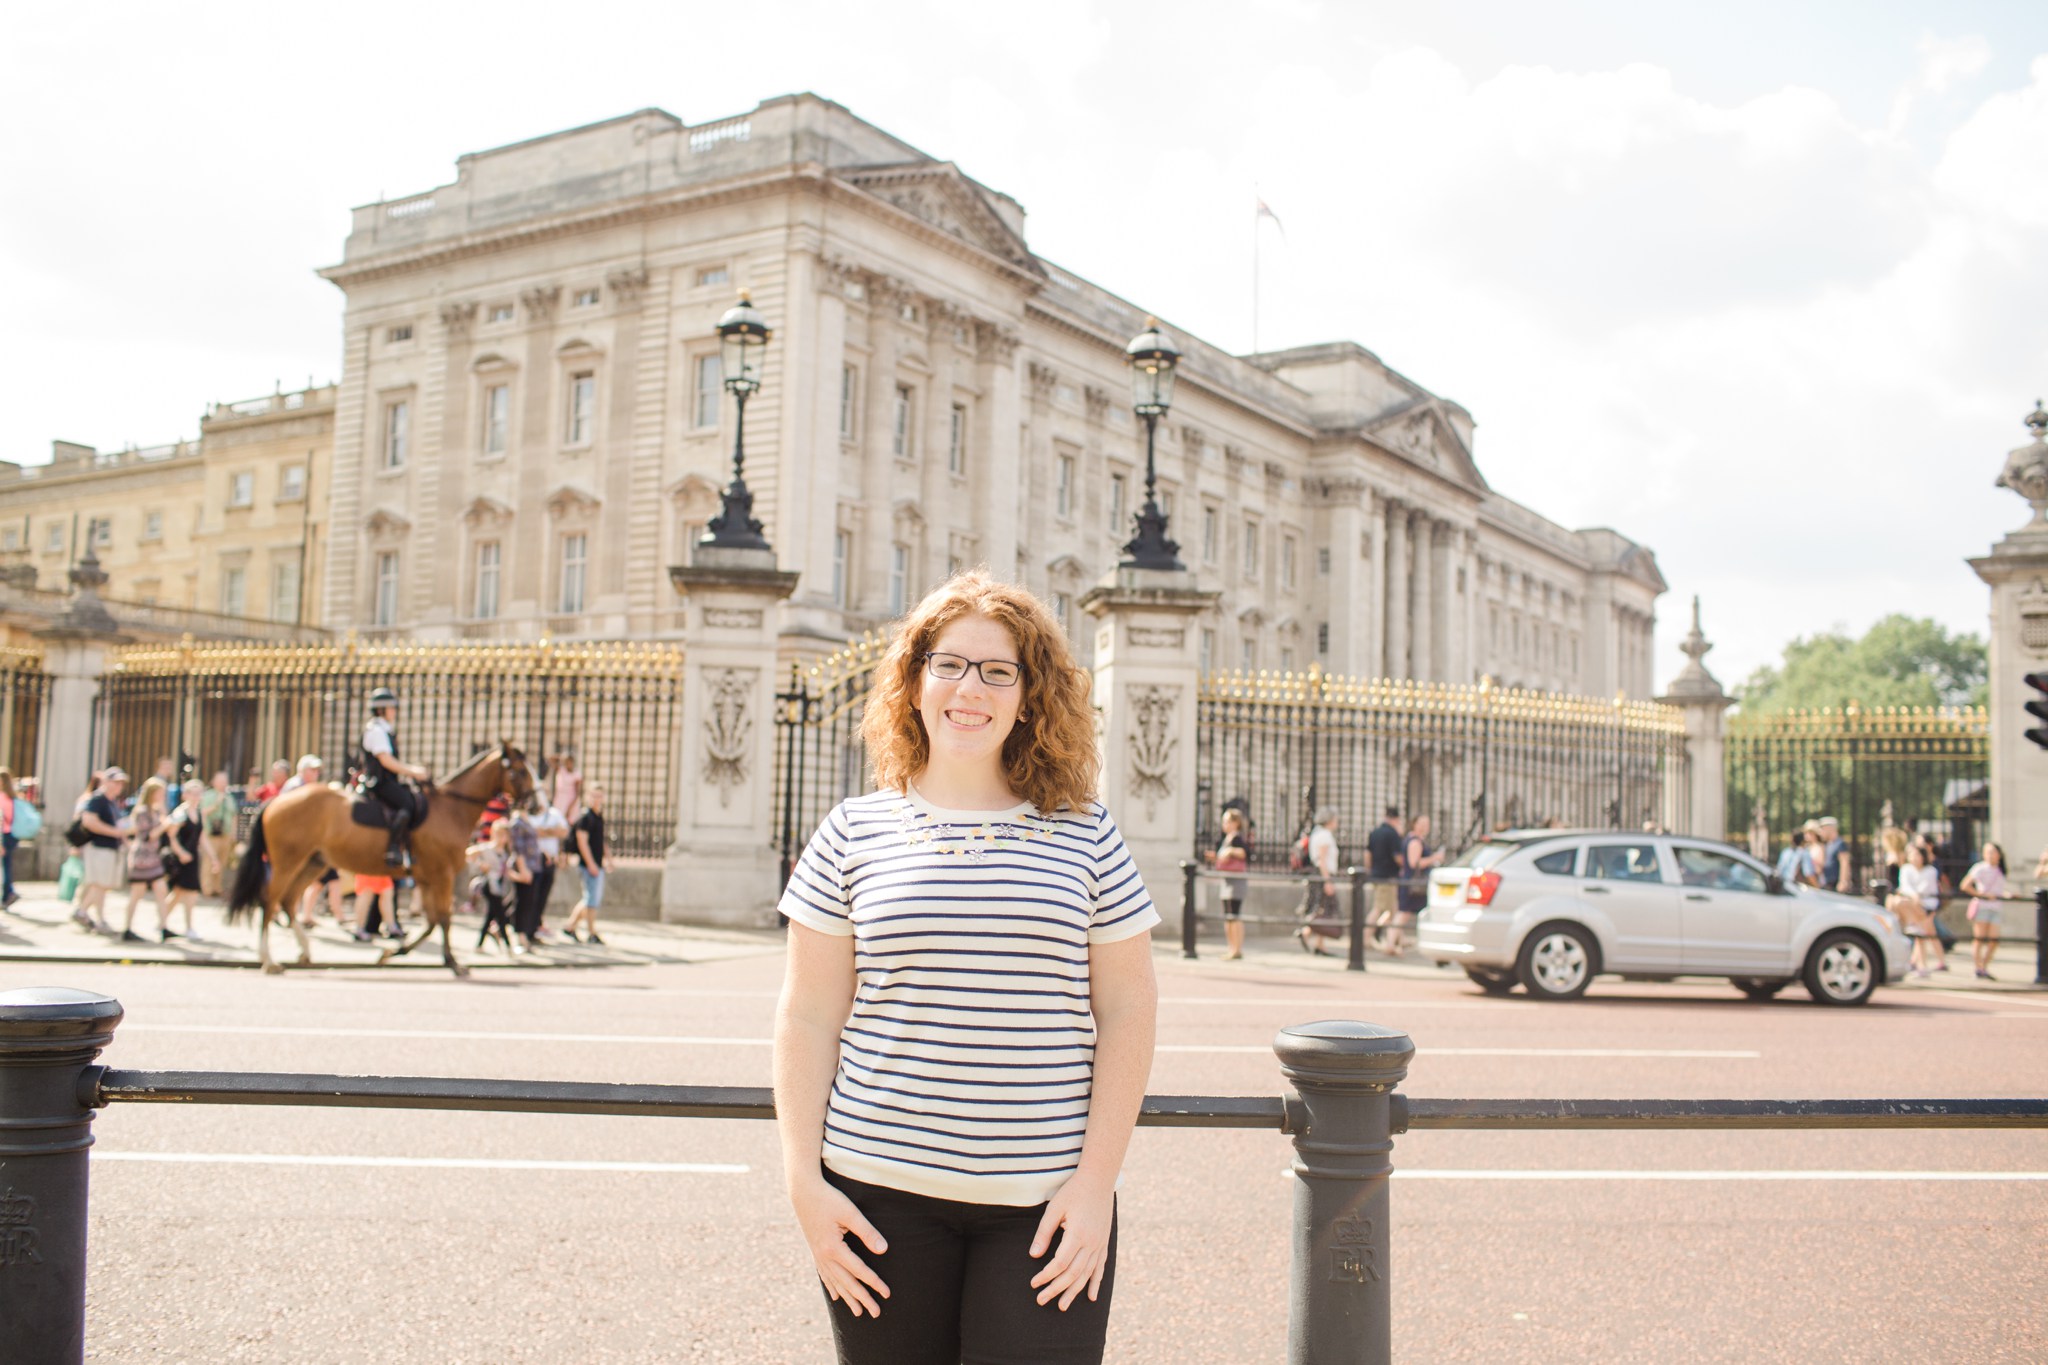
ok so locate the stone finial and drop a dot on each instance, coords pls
(86, 611)
(2026, 469)
(1693, 681)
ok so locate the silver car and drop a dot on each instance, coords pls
(1552, 909)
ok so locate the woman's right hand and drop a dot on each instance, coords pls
(826, 1216)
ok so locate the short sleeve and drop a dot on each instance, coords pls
(1123, 907)
(816, 895)
(377, 739)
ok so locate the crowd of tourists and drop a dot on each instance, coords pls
(1399, 857)
(171, 844)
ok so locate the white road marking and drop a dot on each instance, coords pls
(695, 1040)
(1717, 1054)
(1916, 1177)
(439, 1163)
(1989, 997)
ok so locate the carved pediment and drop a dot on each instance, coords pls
(1419, 432)
(1066, 567)
(491, 360)
(483, 511)
(909, 517)
(937, 194)
(385, 522)
(578, 346)
(570, 500)
(694, 493)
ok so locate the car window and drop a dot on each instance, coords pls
(1720, 871)
(1558, 864)
(1486, 853)
(1623, 862)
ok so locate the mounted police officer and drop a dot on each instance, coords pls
(387, 777)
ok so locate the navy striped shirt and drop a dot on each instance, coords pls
(965, 1065)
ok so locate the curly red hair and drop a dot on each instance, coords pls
(1050, 758)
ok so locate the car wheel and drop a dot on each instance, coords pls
(1842, 969)
(1493, 983)
(1558, 962)
(1757, 988)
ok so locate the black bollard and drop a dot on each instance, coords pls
(2041, 937)
(48, 1038)
(1342, 1121)
(1355, 960)
(1187, 908)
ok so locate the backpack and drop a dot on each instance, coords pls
(1297, 856)
(28, 821)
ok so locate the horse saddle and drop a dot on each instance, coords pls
(368, 811)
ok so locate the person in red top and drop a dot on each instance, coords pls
(280, 773)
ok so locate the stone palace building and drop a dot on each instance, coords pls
(530, 428)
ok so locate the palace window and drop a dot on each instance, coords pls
(704, 412)
(842, 566)
(575, 565)
(501, 312)
(488, 559)
(284, 590)
(1287, 552)
(1119, 514)
(152, 528)
(1322, 561)
(1251, 549)
(53, 543)
(1207, 661)
(1248, 654)
(399, 333)
(397, 433)
(10, 538)
(585, 298)
(849, 389)
(899, 579)
(102, 532)
(1063, 491)
(1063, 611)
(291, 483)
(497, 417)
(900, 443)
(234, 595)
(956, 441)
(1210, 528)
(241, 489)
(712, 274)
(1286, 659)
(1323, 637)
(385, 611)
(582, 407)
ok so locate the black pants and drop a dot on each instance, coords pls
(526, 907)
(494, 915)
(959, 1278)
(543, 887)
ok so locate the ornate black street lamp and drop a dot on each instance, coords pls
(1152, 359)
(742, 342)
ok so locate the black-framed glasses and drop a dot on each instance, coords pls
(994, 672)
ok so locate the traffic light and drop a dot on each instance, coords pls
(2037, 707)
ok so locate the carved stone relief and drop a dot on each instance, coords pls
(1152, 744)
(728, 728)
(626, 286)
(735, 618)
(457, 316)
(540, 303)
(1159, 637)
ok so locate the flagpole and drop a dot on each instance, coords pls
(1256, 201)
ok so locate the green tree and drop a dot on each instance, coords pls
(1899, 661)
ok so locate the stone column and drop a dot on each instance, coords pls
(75, 650)
(1397, 589)
(1425, 616)
(1146, 663)
(1701, 697)
(722, 869)
(2017, 572)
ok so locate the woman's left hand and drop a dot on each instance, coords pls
(1082, 1213)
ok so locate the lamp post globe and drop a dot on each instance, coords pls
(1153, 359)
(742, 343)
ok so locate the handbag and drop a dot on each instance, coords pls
(76, 834)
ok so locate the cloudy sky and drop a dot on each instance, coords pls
(1762, 285)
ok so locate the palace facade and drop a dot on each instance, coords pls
(530, 428)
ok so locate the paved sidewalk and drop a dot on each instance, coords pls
(39, 928)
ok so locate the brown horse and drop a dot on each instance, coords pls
(307, 831)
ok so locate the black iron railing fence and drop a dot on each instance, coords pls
(820, 758)
(1869, 767)
(1472, 758)
(24, 688)
(1341, 1107)
(614, 707)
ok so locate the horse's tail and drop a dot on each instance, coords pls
(247, 892)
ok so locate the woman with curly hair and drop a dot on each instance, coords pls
(966, 1021)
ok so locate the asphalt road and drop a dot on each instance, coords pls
(225, 1234)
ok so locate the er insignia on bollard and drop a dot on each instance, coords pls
(17, 1230)
(1351, 1256)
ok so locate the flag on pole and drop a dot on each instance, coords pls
(1266, 211)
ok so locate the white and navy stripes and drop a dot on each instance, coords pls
(964, 1067)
